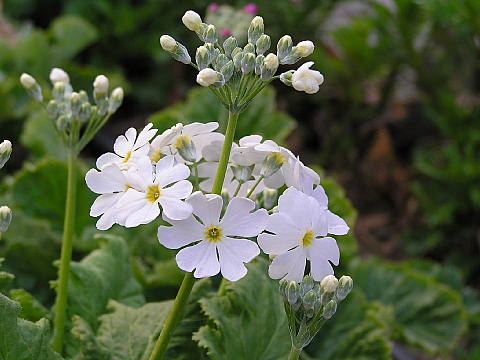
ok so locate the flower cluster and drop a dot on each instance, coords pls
(237, 74)
(172, 175)
(5, 212)
(75, 118)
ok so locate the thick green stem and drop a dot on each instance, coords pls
(66, 255)
(181, 300)
(294, 353)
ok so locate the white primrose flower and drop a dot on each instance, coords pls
(162, 186)
(246, 154)
(129, 148)
(297, 233)
(305, 79)
(220, 243)
(161, 145)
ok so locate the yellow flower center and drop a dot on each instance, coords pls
(156, 156)
(129, 155)
(214, 233)
(182, 141)
(278, 157)
(153, 193)
(308, 238)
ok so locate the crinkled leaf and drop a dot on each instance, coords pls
(428, 314)
(21, 339)
(248, 322)
(32, 309)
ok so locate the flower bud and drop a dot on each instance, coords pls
(211, 34)
(329, 309)
(259, 64)
(186, 148)
(100, 87)
(83, 96)
(292, 292)
(329, 284)
(192, 20)
(229, 44)
(85, 112)
(284, 47)
(269, 67)
(263, 44)
(249, 48)
(235, 52)
(59, 91)
(272, 163)
(75, 103)
(242, 173)
(32, 87)
(309, 299)
(168, 43)
(248, 63)
(208, 77)
(62, 122)
(213, 52)
(220, 61)
(237, 59)
(59, 75)
(116, 99)
(345, 285)
(202, 58)
(255, 30)
(5, 152)
(308, 283)
(227, 70)
(5, 218)
(282, 288)
(286, 77)
(270, 197)
(53, 109)
(305, 48)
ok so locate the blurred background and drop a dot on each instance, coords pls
(396, 123)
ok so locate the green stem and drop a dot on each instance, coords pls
(250, 193)
(181, 300)
(237, 190)
(66, 255)
(294, 353)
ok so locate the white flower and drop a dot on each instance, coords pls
(192, 20)
(207, 77)
(59, 75)
(298, 232)
(161, 145)
(168, 43)
(246, 154)
(220, 243)
(128, 148)
(305, 48)
(307, 80)
(165, 188)
(100, 85)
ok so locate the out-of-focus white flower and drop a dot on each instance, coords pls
(191, 20)
(208, 77)
(220, 243)
(168, 43)
(163, 188)
(161, 145)
(305, 48)
(27, 81)
(307, 80)
(128, 147)
(298, 232)
(59, 75)
(5, 218)
(5, 152)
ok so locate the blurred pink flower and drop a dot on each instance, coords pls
(251, 8)
(225, 32)
(213, 7)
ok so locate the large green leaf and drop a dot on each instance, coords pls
(201, 105)
(39, 191)
(32, 309)
(21, 339)
(248, 322)
(428, 314)
(358, 331)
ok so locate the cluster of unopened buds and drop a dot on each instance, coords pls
(172, 174)
(237, 74)
(75, 118)
(5, 212)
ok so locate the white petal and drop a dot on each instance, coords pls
(175, 209)
(269, 146)
(202, 257)
(147, 213)
(176, 173)
(181, 233)
(290, 265)
(250, 140)
(238, 221)
(232, 254)
(302, 209)
(321, 196)
(106, 159)
(103, 203)
(124, 143)
(203, 140)
(145, 136)
(275, 181)
(179, 190)
(197, 128)
(277, 244)
(324, 248)
(206, 207)
(164, 165)
(109, 180)
(336, 225)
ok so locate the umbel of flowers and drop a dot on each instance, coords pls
(225, 202)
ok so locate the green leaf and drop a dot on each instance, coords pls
(359, 330)
(39, 190)
(428, 314)
(21, 339)
(71, 34)
(5, 278)
(32, 309)
(201, 105)
(248, 322)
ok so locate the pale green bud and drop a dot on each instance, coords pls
(282, 288)
(329, 309)
(201, 57)
(293, 292)
(284, 47)
(59, 75)
(83, 96)
(227, 70)
(100, 87)
(85, 112)
(5, 218)
(345, 285)
(209, 77)
(329, 284)
(249, 48)
(220, 61)
(303, 49)
(307, 283)
(263, 44)
(258, 64)
(5, 152)
(236, 51)
(242, 173)
(248, 63)
(53, 109)
(62, 122)
(186, 148)
(59, 91)
(256, 29)
(270, 197)
(168, 43)
(32, 87)
(75, 103)
(286, 77)
(177, 50)
(272, 163)
(212, 52)
(116, 99)
(309, 299)
(269, 67)
(211, 34)
(192, 20)
(229, 44)
(237, 60)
